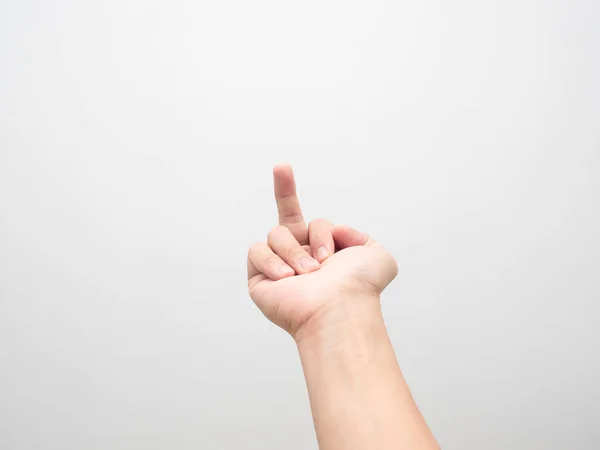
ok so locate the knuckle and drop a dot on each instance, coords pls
(255, 248)
(275, 231)
(271, 259)
(271, 236)
(295, 252)
(394, 268)
(318, 221)
(292, 218)
(319, 224)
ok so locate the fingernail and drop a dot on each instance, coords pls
(308, 263)
(322, 253)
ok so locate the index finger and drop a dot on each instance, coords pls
(288, 206)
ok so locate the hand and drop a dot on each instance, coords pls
(302, 273)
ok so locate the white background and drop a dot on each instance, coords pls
(136, 145)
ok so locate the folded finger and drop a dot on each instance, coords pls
(262, 259)
(321, 239)
(283, 243)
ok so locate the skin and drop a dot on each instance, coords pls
(322, 284)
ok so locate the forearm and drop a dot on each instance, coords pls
(358, 395)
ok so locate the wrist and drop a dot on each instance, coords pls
(344, 316)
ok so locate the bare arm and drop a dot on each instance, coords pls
(358, 395)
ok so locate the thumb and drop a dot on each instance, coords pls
(345, 237)
(376, 266)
